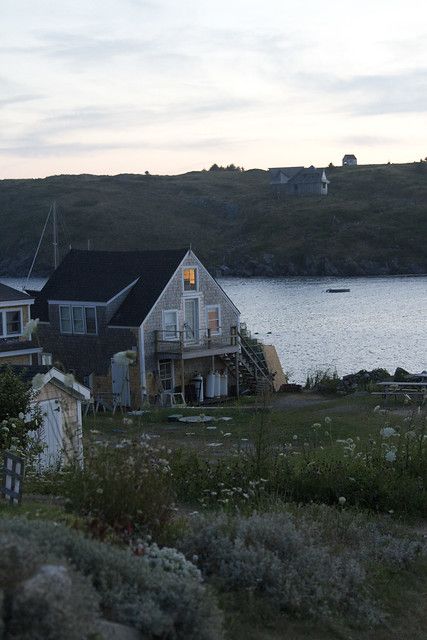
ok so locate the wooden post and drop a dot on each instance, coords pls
(237, 376)
(182, 378)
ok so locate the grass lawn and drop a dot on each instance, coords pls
(283, 418)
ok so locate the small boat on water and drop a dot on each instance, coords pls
(337, 290)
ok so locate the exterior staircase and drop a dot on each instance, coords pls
(254, 376)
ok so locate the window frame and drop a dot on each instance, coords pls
(73, 331)
(172, 376)
(4, 332)
(164, 330)
(196, 271)
(210, 307)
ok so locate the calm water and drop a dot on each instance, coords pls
(381, 323)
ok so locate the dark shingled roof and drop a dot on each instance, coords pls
(307, 176)
(97, 276)
(7, 294)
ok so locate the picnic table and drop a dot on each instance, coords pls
(402, 390)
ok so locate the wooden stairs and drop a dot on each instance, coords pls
(254, 376)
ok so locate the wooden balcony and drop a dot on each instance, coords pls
(184, 345)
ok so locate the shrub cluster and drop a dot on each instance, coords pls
(159, 593)
(305, 566)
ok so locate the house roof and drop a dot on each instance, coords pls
(350, 156)
(8, 294)
(296, 175)
(14, 345)
(50, 374)
(98, 276)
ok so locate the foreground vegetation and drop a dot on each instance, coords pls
(302, 523)
(371, 222)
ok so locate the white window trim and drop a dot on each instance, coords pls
(176, 312)
(77, 333)
(190, 292)
(172, 371)
(4, 313)
(210, 307)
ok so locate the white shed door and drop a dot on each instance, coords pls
(120, 383)
(51, 433)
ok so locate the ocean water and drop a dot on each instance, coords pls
(381, 322)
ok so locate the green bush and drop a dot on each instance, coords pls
(159, 593)
(316, 564)
(127, 488)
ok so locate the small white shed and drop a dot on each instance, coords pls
(60, 399)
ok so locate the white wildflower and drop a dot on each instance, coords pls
(124, 357)
(31, 327)
(390, 455)
(342, 500)
(377, 408)
(388, 432)
(328, 420)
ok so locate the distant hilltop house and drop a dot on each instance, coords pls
(349, 160)
(298, 181)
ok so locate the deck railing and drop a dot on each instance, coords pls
(189, 340)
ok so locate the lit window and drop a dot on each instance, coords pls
(13, 323)
(65, 319)
(170, 325)
(213, 321)
(190, 279)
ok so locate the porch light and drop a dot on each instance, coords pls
(13, 476)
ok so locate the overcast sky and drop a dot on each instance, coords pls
(115, 86)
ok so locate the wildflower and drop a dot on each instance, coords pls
(390, 455)
(124, 357)
(377, 408)
(31, 327)
(387, 432)
(295, 437)
(342, 500)
(316, 425)
(100, 491)
(328, 420)
(21, 415)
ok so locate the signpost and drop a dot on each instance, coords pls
(13, 476)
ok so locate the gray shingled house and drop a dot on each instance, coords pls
(162, 305)
(16, 347)
(349, 160)
(298, 181)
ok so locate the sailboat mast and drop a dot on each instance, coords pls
(55, 237)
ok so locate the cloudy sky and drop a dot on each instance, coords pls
(114, 86)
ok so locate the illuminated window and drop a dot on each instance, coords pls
(190, 279)
(213, 319)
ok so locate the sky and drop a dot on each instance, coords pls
(127, 86)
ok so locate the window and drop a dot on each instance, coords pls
(65, 319)
(213, 319)
(1, 324)
(78, 319)
(90, 313)
(190, 279)
(46, 359)
(170, 325)
(13, 323)
(166, 375)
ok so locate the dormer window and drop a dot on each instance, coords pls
(190, 279)
(77, 319)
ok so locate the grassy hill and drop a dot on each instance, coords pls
(372, 222)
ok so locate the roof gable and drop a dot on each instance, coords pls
(8, 294)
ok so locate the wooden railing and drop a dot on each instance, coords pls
(189, 340)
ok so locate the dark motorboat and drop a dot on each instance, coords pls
(337, 290)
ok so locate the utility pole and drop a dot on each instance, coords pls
(55, 237)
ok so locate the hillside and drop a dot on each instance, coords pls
(372, 222)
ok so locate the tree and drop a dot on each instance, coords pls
(214, 167)
(17, 416)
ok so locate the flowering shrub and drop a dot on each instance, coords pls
(126, 487)
(300, 564)
(159, 593)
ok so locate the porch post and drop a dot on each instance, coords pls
(237, 376)
(182, 378)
